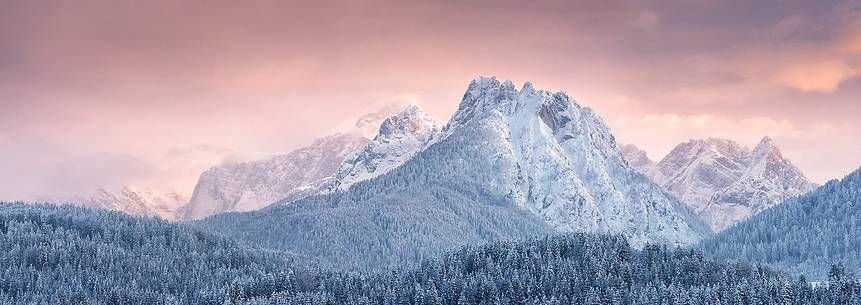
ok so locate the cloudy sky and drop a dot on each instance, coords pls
(153, 92)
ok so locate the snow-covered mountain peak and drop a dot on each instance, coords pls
(718, 146)
(635, 156)
(695, 158)
(487, 96)
(725, 182)
(768, 164)
(369, 124)
(766, 150)
(483, 94)
(401, 136)
(302, 172)
(410, 121)
(559, 160)
(766, 141)
(527, 87)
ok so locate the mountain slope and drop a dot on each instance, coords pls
(804, 234)
(130, 200)
(253, 185)
(399, 138)
(509, 164)
(723, 181)
(566, 166)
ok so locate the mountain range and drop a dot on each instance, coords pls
(253, 185)
(721, 180)
(377, 143)
(400, 190)
(509, 164)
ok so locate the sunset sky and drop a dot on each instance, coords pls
(151, 93)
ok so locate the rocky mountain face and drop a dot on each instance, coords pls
(723, 181)
(253, 185)
(635, 156)
(128, 199)
(377, 143)
(399, 138)
(559, 160)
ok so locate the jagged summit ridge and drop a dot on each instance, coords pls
(560, 161)
(725, 182)
(694, 169)
(400, 137)
(253, 185)
(331, 163)
(368, 125)
(410, 121)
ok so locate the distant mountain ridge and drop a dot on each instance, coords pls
(253, 185)
(378, 142)
(131, 200)
(723, 181)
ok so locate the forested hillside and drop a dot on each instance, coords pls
(803, 235)
(441, 199)
(569, 269)
(72, 255)
(376, 227)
